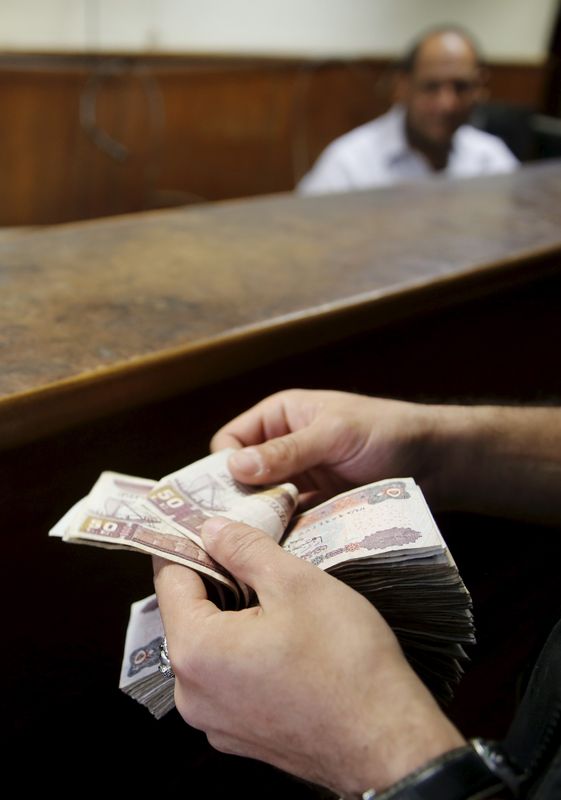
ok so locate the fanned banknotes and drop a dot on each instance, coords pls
(381, 539)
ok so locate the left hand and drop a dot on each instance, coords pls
(312, 680)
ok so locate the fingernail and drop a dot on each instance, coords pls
(212, 527)
(248, 461)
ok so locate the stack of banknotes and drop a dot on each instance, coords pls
(381, 539)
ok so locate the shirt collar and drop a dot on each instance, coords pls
(397, 145)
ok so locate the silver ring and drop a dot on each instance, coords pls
(165, 666)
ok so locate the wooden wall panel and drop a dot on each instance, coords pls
(84, 137)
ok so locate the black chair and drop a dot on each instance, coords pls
(511, 123)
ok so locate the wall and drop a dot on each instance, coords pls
(508, 30)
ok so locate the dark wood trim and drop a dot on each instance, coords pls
(93, 135)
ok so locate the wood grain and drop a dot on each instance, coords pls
(102, 316)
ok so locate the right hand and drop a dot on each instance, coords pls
(327, 442)
(312, 680)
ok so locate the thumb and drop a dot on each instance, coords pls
(279, 459)
(249, 554)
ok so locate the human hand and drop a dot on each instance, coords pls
(327, 441)
(312, 680)
(485, 459)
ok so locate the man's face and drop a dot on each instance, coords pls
(442, 90)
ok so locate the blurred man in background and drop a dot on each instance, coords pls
(425, 133)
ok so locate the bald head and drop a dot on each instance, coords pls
(439, 41)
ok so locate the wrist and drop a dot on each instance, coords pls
(454, 455)
(483, 464)
(384, 751)
(475, 771)
(406, 760)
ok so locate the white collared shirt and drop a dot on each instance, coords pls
(378, 154)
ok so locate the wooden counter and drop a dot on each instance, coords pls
(125, 343)
(103, 316)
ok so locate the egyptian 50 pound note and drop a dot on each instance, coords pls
(165, 517)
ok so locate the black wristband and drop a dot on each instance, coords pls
(473, 772)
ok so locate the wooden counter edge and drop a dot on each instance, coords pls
(30, 415)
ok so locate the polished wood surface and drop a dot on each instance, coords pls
(101, 316)
(86, 136)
